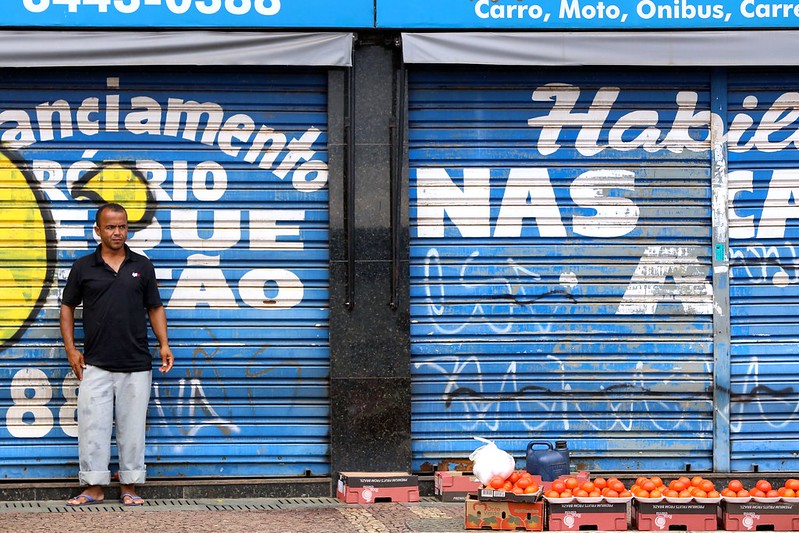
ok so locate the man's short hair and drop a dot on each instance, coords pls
(112, 206)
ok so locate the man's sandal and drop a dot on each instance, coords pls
(87, 500)
(129, 500)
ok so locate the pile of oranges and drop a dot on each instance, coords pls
(518, 482)
(790, 489)
(521, 482)
(573, 487)
(682, 487)
(762, 489)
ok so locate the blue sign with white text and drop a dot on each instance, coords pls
(189, 13)
(404, 14)
(586, 14)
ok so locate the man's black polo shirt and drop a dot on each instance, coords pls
(114, 309)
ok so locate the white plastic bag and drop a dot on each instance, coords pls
(490, 461)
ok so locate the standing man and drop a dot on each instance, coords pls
(119, 291)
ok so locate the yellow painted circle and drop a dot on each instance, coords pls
(23, 250)
(118, 184)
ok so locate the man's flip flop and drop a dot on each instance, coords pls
(89, 500)
(135, 501)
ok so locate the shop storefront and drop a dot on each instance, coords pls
(217, 145)
(601, 244)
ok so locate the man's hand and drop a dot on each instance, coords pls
(167, 359)
(75, 358)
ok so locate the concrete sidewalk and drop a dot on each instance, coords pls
(211, 506)
(272, 515)
(251, 515)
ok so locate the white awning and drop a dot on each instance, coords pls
(128, 48)
(644, 48)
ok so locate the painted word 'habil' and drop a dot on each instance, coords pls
(640, 129)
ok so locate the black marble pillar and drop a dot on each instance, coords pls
(369, 339)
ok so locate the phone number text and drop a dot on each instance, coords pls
(178, 7)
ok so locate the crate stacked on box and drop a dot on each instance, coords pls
(507, 503)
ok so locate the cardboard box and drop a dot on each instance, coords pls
(505, 516)
(377, 487)
(455, 486)
(754, 516)
(661, 516)
(576, 516)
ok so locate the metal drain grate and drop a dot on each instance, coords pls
(249, 504)
(243, 507)
(94, 508)
(264, 504)
(20, 507)
(294, 503)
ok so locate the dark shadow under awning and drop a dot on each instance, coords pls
(127, 48)
(644, 48)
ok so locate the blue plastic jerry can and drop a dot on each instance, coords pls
(548, 462)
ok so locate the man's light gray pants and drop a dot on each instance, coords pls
(106, 399)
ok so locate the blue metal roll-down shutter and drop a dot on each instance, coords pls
(762, 119)
(224, 175)
(561, 283)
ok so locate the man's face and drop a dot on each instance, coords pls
(113, 229)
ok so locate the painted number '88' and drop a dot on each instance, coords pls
(29, 415)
